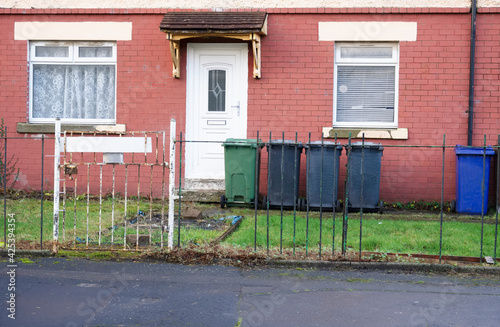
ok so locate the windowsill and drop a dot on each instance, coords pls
(27, 128)
(357, 133)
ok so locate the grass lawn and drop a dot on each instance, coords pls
(74, 225)
(379, 234)
(411, 232)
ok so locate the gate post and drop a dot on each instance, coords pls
(57, 157)
(171, 186)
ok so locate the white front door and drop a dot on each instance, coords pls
(216, 107)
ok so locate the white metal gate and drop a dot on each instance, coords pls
(111, 163)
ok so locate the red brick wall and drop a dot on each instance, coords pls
(487, 85)
(487, 81)
(147, 95)
(295, 93)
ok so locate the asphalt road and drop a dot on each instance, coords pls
(74, 292)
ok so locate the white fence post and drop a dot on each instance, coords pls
(171, 186)
(57, 162)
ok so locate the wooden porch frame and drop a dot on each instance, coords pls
(176, 38)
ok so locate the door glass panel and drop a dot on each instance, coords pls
(217, 90)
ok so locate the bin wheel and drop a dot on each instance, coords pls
(263, 204)
(222, 201)
(453, 205)
(302, 204)
(381, 207)
(337, 206)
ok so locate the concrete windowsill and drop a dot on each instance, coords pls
(389, 134)
(49, 128)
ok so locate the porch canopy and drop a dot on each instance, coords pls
(246, 26)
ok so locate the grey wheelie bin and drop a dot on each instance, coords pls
(323, 174)
(283, 188)
(371, 156)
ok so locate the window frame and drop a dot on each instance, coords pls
(368, 62)
(72, 59)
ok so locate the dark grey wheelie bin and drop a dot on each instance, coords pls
(372, 158)
(322, 180)
(290, 152)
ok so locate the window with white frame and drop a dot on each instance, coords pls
(366, 85)
(73, 81)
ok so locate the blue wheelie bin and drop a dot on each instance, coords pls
(469, 179)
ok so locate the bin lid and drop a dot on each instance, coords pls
(461, 149)
(242, 142)
(368, 145)
(326, 144)
(285, 143)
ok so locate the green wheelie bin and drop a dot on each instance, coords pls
(240, 162)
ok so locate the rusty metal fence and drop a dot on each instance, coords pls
(109, 190)
(137, 158)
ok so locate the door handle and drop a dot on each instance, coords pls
(238, 107)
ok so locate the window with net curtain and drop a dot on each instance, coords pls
(75, 82)
(366, 79)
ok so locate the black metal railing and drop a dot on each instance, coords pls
(301, 205)
(285, 182)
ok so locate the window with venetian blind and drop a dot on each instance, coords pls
(366, 85)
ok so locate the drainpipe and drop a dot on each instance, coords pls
(471, 72)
